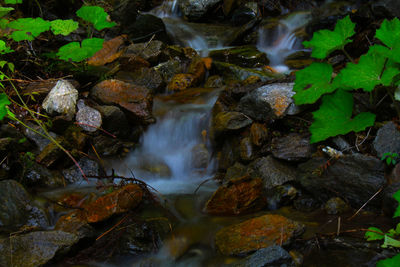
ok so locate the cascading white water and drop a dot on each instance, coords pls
(281, 41)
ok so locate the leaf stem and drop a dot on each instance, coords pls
(347, 55)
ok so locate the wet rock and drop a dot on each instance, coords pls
(247, 152)
(110, 52)
(107, 146)
(181, 82)
(154, 166)
(61, 99)
(75, 224)
(88, 118)
(234, 72)
(256, 233)
(16, 208)
(76, 137)
(387, 139)
(298, 60)
(136, 100)
(387, 7)
(168, 69)
(196, 9)
(74, 175)
(273, 256)
(198, 69)
(306, 203)
(336, 205)
(150, 52)
(354, 178)
(234, 172)
(144, 27)
(389, 204)
(200, 156)
(114, 120)
(269, 102)
(258, 133)
(281, 195)
(119, 201)
(52, 154)
(292, 147)
(34, 249)
(38, 139)
(271, 171)
(229, 121)
(35, 175)
(131, 62)
(243, 15)
(230, 153)
(238, 196)
(214, 81)
(243, 56)
(146, 77)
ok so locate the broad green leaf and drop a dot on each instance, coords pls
(390, 242)
(396, 196)
(390, 262)
(371, 236)
(334, 117)
(396, 231)
(312, 82)
(76, 52)
(367, 73)
(95, 15)
(3, 103)
(389, 34)
(5, 10)
(63, 27)
(4, 49)
(324, 42)
(13, 1)
(11, 66)
(28, 28)
(3, 23)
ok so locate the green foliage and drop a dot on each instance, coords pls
(396, 196)
(13, 1)
(390, 262)
(76, 52)
(3, 105)
(377, 68)
(372, 235)
(4, 49)
(28, 28)
(63, 27)
(390, 158)
(5, 10)
(95, 15)
(335, 117)
(325, 41)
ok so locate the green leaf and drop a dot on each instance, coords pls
(75, 52)
(390, 242)
(63, 27)
(371, 236)
(312, 82)
(396, 196)
(325, 41)
(367, 73)
(3, 24)
(3, 103)
(334, 117)
(5, 10)
(390, 262)
(28, 28)
(13, 1)
(4, 49)
(389, 34)
(95, 15)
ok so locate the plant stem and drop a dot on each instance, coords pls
(347, 55)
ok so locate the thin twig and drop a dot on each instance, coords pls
(355, 214)
(98, 128)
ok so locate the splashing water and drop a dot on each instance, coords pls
(282, 41)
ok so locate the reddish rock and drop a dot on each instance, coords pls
(136, 100)
(132, 62)
(260, 232)
(181, 82)
(198, 69)
(239, 196)
(110, 52)
(258, 133)
(119, 201)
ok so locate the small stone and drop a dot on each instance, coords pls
(88, 118)
(181, 82)
(61, 99)
(258, 133)
(246, 149)
(272, 256)
(229, 121)
(336, 205)
(387, 140)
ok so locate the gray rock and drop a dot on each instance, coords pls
(114, 120)
(237, 170)
(35, 248)
(61, 99)
(234, 72)
(144, 27)
(36, 175)
(148, 51)
(88, 118)
(269, 102)
(293, 147)
(273, 256)
(243, 56)
(38, 139)
(89, 167)
(354, 178)
(196, 9)
(272, 172)
(229, 121)
(335, 205)
(16, 208)
(387, 139)
(387, 7)
(281, 195)
(149, 78)
(247, 152)
(168, 69)
(200, 156)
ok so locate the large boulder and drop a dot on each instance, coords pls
(387, 139)
(136, 100)
(196, 9)
(145, 26)
(256, 233)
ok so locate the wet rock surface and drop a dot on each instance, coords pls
(274, 256)
(88, 118)
(293, 147)
(387, 139)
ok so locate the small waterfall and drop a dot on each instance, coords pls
(281, 41)
(174, 154)
(168, 9)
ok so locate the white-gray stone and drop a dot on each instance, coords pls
(88, 118)
(61, 99)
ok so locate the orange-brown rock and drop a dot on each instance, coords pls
(239, 196)
(119, 201)
(132, 62)
(256, 233)
(110, 52)
(136, 100)
(181, 82)
(258, 133)
(198, 69)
